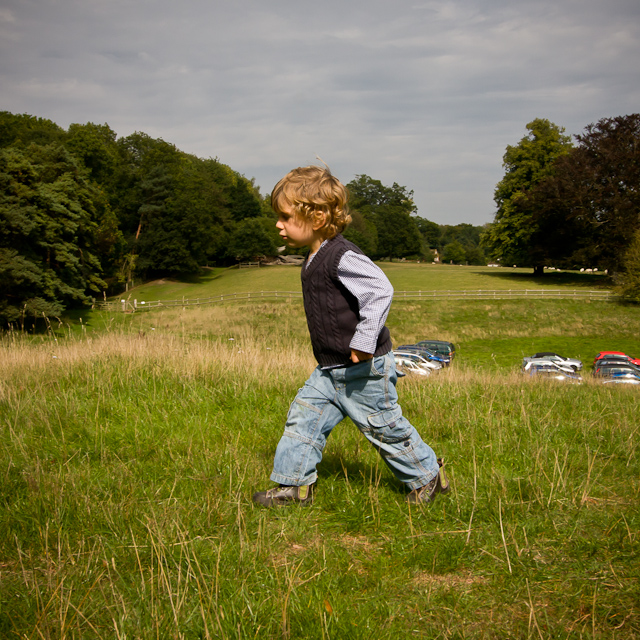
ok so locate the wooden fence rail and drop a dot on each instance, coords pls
(128, 305)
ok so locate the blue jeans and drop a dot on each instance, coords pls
(366, 392)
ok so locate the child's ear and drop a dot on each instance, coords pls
(319, 220)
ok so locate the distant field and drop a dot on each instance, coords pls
(403, 276)
(488, 334)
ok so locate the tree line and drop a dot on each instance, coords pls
(572, 205)
(83, 212)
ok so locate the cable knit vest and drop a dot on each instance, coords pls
(332, 311)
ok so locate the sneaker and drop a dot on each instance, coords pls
(284, 495)
(428, 492)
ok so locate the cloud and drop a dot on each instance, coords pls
(426, 94)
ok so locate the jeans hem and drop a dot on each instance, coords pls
(420, 482)
(294, 482)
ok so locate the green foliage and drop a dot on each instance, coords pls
(398, 234)
(390, 209)
(363, 232)
(526, 164)
(461, 244)
(94, 145)
(587, 211)
(628, 279)
(22, 130)
(178, 211)
(453, 253)
(253, 238)
(370, 196)
(431, 232)
(49, 231)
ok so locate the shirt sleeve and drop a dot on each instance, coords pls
(371, 287)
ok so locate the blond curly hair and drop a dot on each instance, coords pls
(315, 195)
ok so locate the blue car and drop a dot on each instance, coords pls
(425, 353)
(439, 347)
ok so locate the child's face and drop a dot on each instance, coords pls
(298, 232)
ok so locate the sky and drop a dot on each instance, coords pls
(424, 94)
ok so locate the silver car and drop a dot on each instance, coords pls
(408, 356)
(567, 364)
(405, 366)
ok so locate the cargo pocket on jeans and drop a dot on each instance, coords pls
(387, 425)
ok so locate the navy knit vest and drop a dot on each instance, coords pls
(332, 310)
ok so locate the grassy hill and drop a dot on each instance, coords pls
(488, 334)
(130, 450)
(129, 454)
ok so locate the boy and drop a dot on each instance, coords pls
(346, 301)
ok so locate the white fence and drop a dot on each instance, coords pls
(507, 294)
(134, 305)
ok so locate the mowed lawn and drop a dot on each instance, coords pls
(487, 334)
(403, 275)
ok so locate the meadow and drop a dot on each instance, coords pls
(131, 446)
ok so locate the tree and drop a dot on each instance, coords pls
(628, 279)
(587, 212)
(431, 232)
(252, 238)
(22, 130)
(48, 229)
(362, 232)
(398, 234)
(526, 164)
(244, 202)
(390, 209)
(454, 253)
(369, 196)
(95, 145)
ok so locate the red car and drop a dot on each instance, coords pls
(616, 355)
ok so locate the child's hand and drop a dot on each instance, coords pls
(360, 356)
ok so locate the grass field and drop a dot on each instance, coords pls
(130, 449)
(404, 276)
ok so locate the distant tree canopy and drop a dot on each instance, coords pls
(508, 239)
(53, 224)
(82, 211)
(385, 225)
(588, 211)
(582, 210)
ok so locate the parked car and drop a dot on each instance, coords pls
(621, 355)
(439, 347)
(621, 380)
(614, 362)
(608, 370)
(417, 358)
(425, 353)
(406, 366)
(571, 363)
(553, 371)
(529, 363)
(618, 373)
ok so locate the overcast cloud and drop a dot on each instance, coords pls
(425, 94)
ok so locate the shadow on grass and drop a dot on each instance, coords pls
(553, 278)
(206, 274)
(358, 473)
